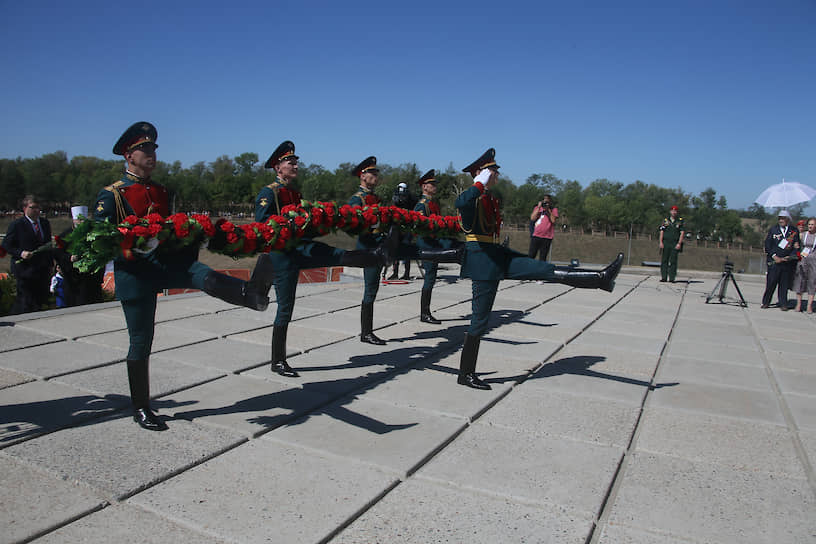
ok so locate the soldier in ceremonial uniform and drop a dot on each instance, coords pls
(672, 231)
(782, 245)
(486, 262)
(139, 280)
(368, 173)
(429, 205)
(286, 265)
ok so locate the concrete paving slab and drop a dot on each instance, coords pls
(261, 337)
(600, 421)
(633, 317)
(613, 363)
(126, 523)
(497, 371)
(617, 534)
(788, 361)
(786, 347)
(803, 409)
(76, 325)
(264, 490)
(216, 325)
(533, 469)
(714, 352)
(575, 374)
(245, 315)
(224, 354)
(32, 501)
(393, 438)
(808, 440)
(166, 376)
(50, 360)
(34, 408)
(591, 337)
(724, 401)
(15, 337)
(10, 378)
(165, 337)
(244, 405)
(449, 335)
(347, 321)
(320, 371)
(782, 334)
(433, 388)
(706, 502)
(802, 383)
(678, 369)
(740, 445)
(500, 348)
(120, 458)
(419, 511)
(167, 309)
(624, 330)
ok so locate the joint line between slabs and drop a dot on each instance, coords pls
(620, 473)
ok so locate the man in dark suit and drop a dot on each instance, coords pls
(33, 272)
(781, 246)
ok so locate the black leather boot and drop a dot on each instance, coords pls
(467, 365)
(367, 325)
(590, 279)
(279, 363)
(407, 274)
(425, 308)
(235, 291)
(138, 376)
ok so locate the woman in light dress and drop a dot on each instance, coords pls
(804, 280)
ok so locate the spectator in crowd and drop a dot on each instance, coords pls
(31, 269)
(544, 217)
(781, 245)
(58, 288)
(804, 279)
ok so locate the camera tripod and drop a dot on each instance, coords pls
(722, 285)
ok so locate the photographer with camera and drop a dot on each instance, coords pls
(403, 198)
(543, 220)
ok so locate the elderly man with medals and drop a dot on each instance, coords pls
(781, 247)
(486, 262)
(142, 276)
(287, 264)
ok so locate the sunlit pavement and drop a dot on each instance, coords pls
(640, 416)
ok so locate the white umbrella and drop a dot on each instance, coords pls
(785, 194)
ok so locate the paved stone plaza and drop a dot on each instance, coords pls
(640, 416)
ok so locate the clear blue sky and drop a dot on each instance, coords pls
(679, 94)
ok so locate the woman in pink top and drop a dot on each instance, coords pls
(544, 215)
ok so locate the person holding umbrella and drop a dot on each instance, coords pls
(781, 246)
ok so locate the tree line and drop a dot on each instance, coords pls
(229, 185)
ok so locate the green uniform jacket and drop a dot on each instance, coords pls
(479, 212)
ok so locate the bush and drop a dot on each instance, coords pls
(8, 292)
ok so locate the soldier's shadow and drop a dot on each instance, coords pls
(26, 420)
(579, 365)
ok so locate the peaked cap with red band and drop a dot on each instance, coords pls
(368, 165)
(286, 150)
(428, 177)
(137, 134)
(487, 159)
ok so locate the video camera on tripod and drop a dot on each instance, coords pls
(728, 273)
